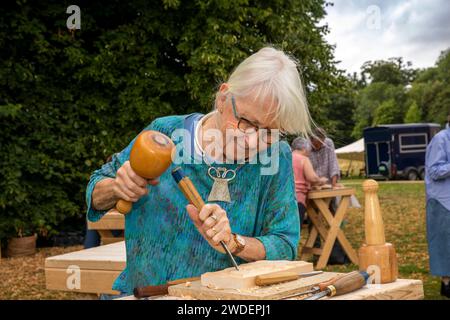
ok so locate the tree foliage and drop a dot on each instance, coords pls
(413, 114)
(431, 90)
(393, 92)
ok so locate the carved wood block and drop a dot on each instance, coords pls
(230, 278)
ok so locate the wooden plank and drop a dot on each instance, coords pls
(402, 289)
(110, 257)
(112, 220)
(90, 281)
(230, 278)
(197, 291)
(321, 194)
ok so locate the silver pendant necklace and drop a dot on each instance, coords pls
(220, 175)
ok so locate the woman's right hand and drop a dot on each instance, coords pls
(129, 186)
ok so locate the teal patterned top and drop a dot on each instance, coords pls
(162, 243)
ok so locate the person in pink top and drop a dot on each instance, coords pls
(304, 174)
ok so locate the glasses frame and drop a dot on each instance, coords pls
(254, 126)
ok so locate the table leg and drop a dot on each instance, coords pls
(335, 223)
(307, 248)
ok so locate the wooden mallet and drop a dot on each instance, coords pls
(376, 252)
(150, 156)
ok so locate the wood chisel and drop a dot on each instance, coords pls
(345, 284)
(191, 193)
(282, 276)
(315, 289)
(158, 290)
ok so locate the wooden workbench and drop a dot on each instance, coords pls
(100, 266)
(402, 289)
(97, 267)
(112, 220)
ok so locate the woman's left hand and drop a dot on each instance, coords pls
(212, 223)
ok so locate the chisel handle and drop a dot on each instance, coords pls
(192, 195)
(149, 291)
(348, 283)
(323, 285)
(276, 277)
(184, 280)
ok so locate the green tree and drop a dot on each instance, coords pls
(387, 113)
(369, 102)
(431, 90)
(339, 112)
(392, 71)
(413, 114)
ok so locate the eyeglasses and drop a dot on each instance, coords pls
(247, 127)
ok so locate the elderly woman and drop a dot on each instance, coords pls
(304, 173)
(257, 218)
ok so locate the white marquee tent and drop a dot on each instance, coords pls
(353, 151)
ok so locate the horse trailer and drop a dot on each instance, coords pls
(397, 151)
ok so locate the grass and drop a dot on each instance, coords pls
(403, 210)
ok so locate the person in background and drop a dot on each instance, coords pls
(304, 174)
(323, 158)
(324, 161)
(437, 185)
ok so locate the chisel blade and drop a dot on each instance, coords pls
(317, 296)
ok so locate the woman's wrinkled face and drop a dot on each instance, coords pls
(255, 118)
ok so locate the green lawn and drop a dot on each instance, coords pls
(403, 210)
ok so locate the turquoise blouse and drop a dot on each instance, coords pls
(162, 243)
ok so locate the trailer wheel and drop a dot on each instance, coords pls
(412, 175)
(422, 174)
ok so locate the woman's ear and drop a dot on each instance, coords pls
(221, 97)
(224, 88)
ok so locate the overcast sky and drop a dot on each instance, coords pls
(362, 30)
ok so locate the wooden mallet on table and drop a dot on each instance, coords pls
(150, 156)
(376, 252)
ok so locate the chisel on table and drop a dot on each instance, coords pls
(159, 290)
(282, 276)
(191, 193)
(345, 284)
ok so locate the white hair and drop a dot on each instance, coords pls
(270, 73)
(301, 143)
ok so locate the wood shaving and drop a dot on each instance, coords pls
(211, 286)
